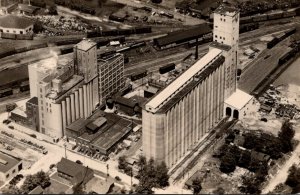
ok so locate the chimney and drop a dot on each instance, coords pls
(196, 52)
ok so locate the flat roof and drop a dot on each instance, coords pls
(238, 99)
(33, 100)
(28, 8)
(73, 81)
(86, 44)
(191, 85)
(113, 135)
(226, 10)
(78, 125)
(177, 36)
(19, 111)
(221, 46)
(7, 162)
(182, 80)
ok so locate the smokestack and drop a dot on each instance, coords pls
(196, 53)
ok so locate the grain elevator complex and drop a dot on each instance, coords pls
(182, 113)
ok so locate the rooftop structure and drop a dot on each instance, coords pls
(192, 84)
(86, 44)
(28, 9)
(157, 101)
(238, 99)
(226, 10)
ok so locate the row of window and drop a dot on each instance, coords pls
(14, 31)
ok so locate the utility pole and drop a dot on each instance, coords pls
(107, 167)
(131, 177)
(65, 145)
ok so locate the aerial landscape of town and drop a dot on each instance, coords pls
(149, 96)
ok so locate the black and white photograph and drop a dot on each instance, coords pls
(150, 97)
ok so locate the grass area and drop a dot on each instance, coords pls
(56, 188)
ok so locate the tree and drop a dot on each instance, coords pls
(196, 185)
(219, 191)
(228, 163)
(162, 175)
(43, 179)
(122, 164)
(52, 10)
(286, 135)
(293, 178)
(78, 189)
(250, 185)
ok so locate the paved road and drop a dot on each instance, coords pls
(258, 71)
(57, 151)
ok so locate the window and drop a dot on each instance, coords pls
(14, 31)
(7, 175)
(7, 31)
(216, 36)
(21, 32)
(14, 171)
(41, 90)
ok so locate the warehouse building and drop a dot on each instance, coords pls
(182, 36)
(15, 25)
(100, 133)
(10, 166)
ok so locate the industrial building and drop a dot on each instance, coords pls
(66, 90)
(15, 25)
(182, 36)
(100, 133)
(111, 75)
(10, 166)
(69, 90)
(177, 117)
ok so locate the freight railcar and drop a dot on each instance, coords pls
(139, 75)
(166, 68)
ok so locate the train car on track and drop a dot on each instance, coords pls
(139, 75)
(166, 68)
